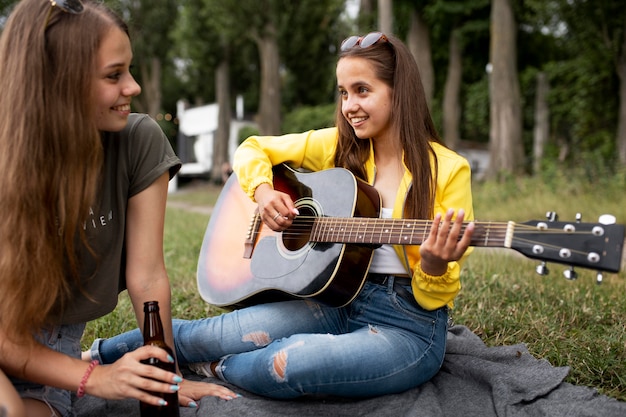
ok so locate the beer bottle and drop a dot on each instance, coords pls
(153, 335)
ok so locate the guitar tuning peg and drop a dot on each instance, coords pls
(579, 217)
(599, 278)
(542, 269)
(570, 274)
(607, 219)
(552, 216)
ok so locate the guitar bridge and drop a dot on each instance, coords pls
(253, 232)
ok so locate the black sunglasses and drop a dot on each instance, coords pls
(68, 6)
(363, 41)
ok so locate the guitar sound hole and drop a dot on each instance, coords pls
(299, 234)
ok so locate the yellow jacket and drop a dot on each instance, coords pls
(315, 151)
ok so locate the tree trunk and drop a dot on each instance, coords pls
(366, 13)
(418, 43)
(505, 133)
(150, 98)
(385, 16)
(621, 124)
(221, 139)
(270, 101)
(542, 121)
(452, 92)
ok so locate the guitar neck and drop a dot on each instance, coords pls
(377, 231)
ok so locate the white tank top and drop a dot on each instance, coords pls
(385, 260)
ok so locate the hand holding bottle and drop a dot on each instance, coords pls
(129, 377)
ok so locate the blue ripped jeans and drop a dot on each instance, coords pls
(379, 344)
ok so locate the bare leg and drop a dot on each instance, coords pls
(36, 408)
(11, 404)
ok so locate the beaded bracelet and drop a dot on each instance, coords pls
(81, 388)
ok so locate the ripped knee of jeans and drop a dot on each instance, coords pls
(279, 361)
(259, 338)
(280, 365)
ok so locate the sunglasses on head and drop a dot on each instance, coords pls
(363, 41)
(68, 6)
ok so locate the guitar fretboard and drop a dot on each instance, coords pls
(378, 231)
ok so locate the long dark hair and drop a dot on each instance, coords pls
(50, 152)
(410, 121)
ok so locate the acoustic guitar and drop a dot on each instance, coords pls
(326, 253)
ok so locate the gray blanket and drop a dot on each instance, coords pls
(475, 380)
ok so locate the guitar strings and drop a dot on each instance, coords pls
(387, 230)
(366, 222)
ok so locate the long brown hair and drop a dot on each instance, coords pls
(50, 155)
(410, 120)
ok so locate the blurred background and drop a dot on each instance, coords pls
(520, 87)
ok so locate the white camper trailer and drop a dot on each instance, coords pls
(196, 132)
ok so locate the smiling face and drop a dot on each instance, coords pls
(114, 86)
(365, 99)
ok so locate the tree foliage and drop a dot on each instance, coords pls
(578, 44)
(309, 53)
(149, 23)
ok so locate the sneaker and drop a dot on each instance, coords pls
(201, 368)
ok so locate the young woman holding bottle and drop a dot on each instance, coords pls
(82, 196)
(392, 336)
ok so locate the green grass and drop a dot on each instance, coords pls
(196, 194)
(569, 323)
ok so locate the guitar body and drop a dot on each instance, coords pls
(287, 264)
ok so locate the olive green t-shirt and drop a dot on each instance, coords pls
(133, 159)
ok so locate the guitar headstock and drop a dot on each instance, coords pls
(595, 246)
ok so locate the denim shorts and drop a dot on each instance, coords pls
(64, 339)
